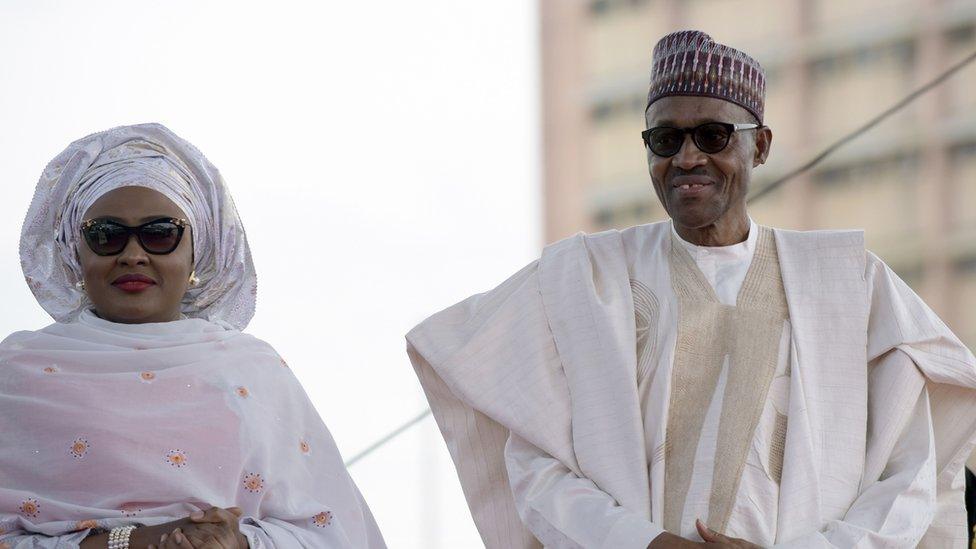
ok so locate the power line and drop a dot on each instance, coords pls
(867, 126)
(393, 434)
(759, 194)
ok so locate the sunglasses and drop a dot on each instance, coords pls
(158, 237)
(710, 138)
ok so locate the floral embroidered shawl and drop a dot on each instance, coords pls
(109, 424)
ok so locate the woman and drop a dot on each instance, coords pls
(144, 405)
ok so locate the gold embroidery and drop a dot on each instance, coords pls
(708, 332)
(777, 447)
(646, 311)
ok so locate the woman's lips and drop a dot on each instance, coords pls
(133, 283)
(133, 286)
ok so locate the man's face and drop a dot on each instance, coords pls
(698, 189)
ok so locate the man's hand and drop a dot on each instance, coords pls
(714, 539)
(215, 528)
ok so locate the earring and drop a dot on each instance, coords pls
(80, 285)
(193, 279)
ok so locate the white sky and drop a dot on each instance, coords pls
(384, 156)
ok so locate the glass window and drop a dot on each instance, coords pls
(962, 179)
(960, 98)
(615, 150)
(599, 7)
(964, 324)
(850, 87)
(603, 7)
(830, 14)
(618, 41)
(750, 25)
(630, 213)
(877, 196)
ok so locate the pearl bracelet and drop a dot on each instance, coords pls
(118, 538)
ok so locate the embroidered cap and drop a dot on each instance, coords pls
(691, 63)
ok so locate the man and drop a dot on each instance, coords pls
(705, 380)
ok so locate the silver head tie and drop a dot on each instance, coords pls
(145, 155)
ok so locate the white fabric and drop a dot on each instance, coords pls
(724, 267)
(754, 511)
(111, 424)
(549, 356)
(145, 155)
(563, 509)
(754, 514)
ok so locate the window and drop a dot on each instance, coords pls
(629, 213)
(967, 265)
(962, 182)
(910, 274)
(604, 7)
(599, 7)
(902, 166)
(901, 54)
(961, 37)
(963, 152)
(965, 299)
(628, 105)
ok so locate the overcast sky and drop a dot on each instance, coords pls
(384, 157)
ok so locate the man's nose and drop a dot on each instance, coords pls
(689, 155)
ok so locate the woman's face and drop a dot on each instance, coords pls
(159, 301)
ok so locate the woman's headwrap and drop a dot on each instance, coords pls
(144, 155)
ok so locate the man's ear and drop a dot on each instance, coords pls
(764, 140)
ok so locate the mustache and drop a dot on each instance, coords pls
(700, 170)
(678, 172)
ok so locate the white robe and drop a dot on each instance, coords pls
(534, 475)
(549, 356)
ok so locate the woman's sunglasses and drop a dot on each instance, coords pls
(159, 237)
(710, 138)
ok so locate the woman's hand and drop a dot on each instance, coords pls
(172, 540)
(141, 537)
(215, 528)
(713, 538)
(667, 540)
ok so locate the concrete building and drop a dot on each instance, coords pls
(831, 65)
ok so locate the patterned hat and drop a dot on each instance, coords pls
(691, 63)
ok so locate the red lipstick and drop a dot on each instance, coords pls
(133, 283)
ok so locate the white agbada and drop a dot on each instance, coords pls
(109, 424)
(874, 445)
(755, 511)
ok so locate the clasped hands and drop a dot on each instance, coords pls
(214, 528)
(711, 538)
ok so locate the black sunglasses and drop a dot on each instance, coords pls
(710, 138)
(158, 237)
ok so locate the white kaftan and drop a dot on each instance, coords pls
(754, 514)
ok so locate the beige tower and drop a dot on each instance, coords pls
(831, 65)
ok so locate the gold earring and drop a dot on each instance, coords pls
(193, 279)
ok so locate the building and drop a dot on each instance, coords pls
(831, 66)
